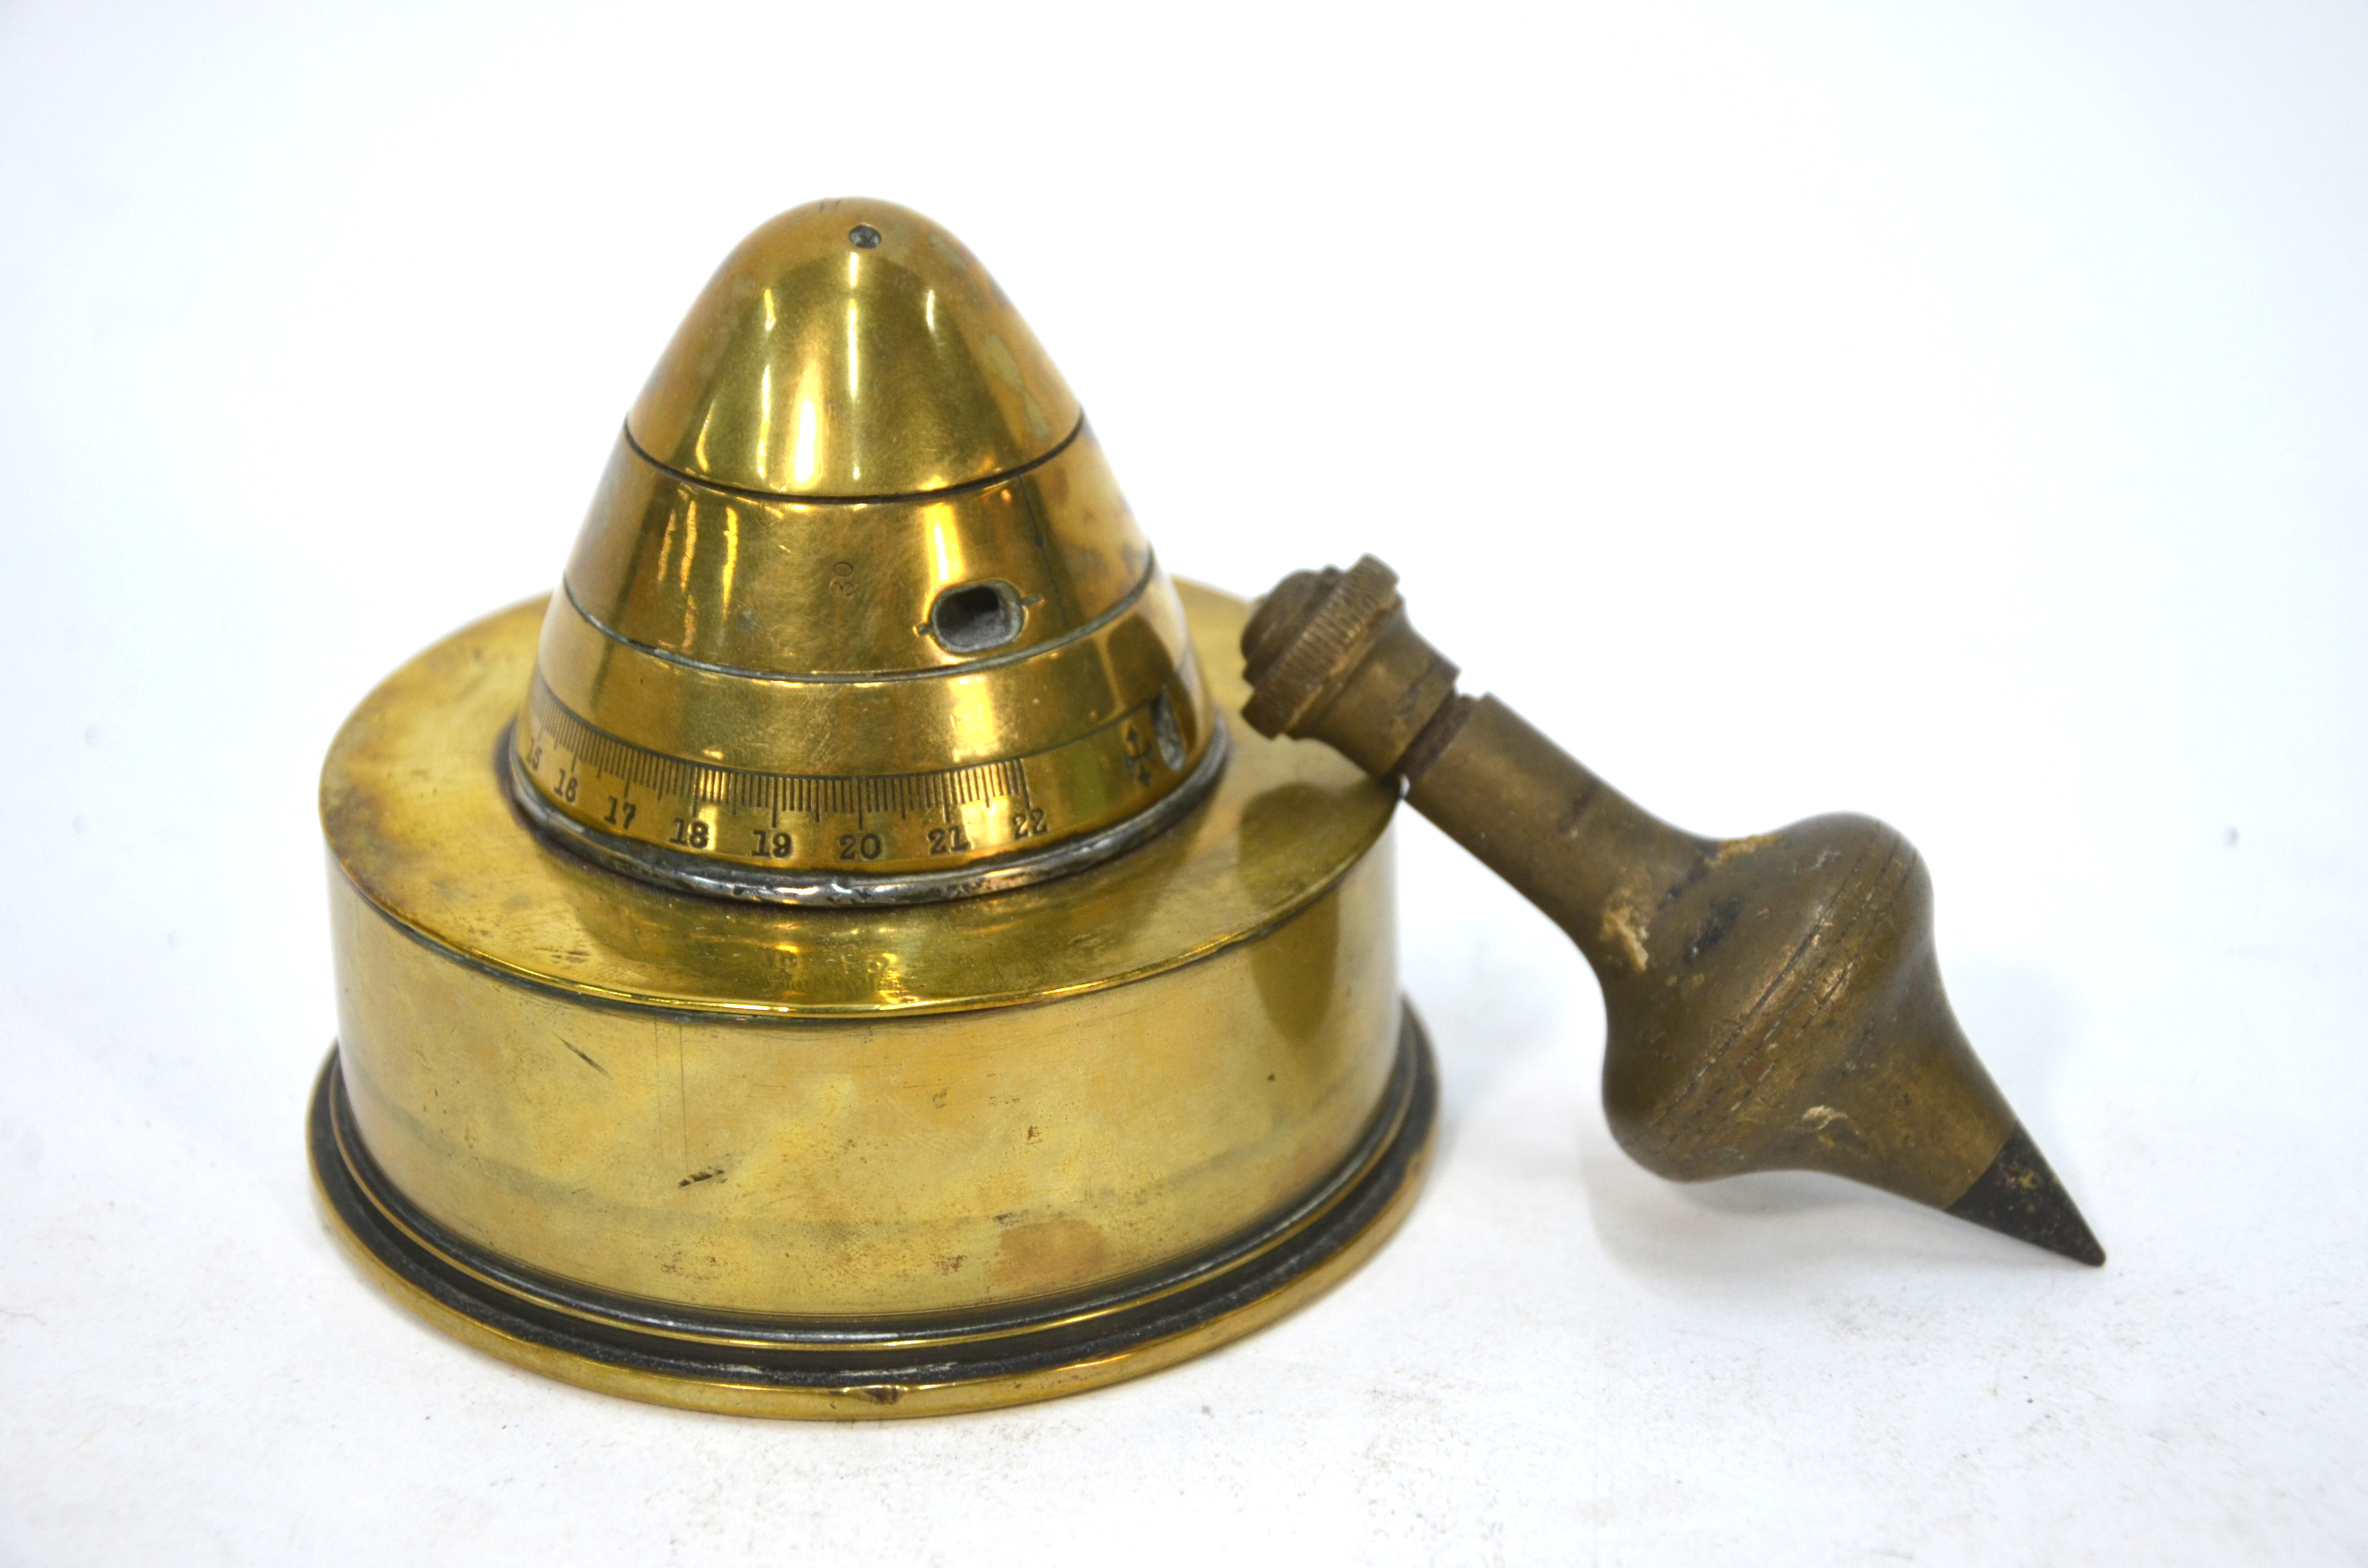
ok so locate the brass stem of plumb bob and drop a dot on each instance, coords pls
(841, 1370)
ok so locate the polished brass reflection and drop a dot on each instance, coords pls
(837, 954)
(1774, 1001)
(859, 614)
(775, 1060)
(864, 945)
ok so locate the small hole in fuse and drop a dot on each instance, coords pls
(975, 617)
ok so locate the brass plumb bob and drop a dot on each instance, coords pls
(839, 955)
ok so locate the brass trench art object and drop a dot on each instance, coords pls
(845, 954)
(839, 955)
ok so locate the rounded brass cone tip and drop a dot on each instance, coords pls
(851, 348)
(859, 614)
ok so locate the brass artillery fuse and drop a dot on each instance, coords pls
(836, 956)
(1772, 1002)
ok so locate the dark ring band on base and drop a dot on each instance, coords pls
(837, 1368)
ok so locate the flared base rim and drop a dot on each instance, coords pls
(949, 1365)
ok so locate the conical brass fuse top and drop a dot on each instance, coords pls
(859, 614)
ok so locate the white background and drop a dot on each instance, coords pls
(1950, 412)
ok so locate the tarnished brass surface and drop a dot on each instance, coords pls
(906, 1123)
(859, 613)
(1773, 1001)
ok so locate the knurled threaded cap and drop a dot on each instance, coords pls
(1309, 634)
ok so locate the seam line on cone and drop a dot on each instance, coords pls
(786, 678)
(905, 497)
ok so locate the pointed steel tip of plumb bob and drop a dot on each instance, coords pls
(2019, 1196)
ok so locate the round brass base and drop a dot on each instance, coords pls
(838, 1369)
